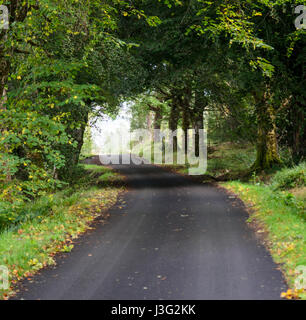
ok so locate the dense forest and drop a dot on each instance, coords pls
(239, 66)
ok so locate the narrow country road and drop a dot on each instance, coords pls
(172, 238)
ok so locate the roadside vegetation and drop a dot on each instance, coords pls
(278, 212)
(178, 65)
(50, 224)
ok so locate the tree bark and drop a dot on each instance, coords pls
(173, 120)
(186, 117)
(72, 153)
(198, 119)
(267, 146)
(157, 124)
(298, 141)
(158, 117)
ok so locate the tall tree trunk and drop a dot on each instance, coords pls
(267, 146)
(185, 125)
(78, 136)
(158, 117)
(198, 119)
(173, 120)
(185, 107)
(72, 153)
(298, 140)
(149, 121)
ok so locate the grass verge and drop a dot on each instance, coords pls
(226, 161)
(282, 220)
(55, 221)
(230, 159)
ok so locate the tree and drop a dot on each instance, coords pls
(56, 67)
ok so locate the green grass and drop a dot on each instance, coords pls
(96, 169)
(282, 218)
(101, 175)
(225, 159)
(230, 158)
(51, 223)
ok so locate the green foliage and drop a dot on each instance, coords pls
(15, 207)
(289, 178)
(230, 158)
(58, 60)
(143, 107)
(241, 63)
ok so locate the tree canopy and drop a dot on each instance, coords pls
(240, 62)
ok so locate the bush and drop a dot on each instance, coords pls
(286, 156)
(290, 178)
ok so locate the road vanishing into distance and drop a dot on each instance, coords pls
(169, 237)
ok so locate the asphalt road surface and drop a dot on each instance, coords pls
(172, 238)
